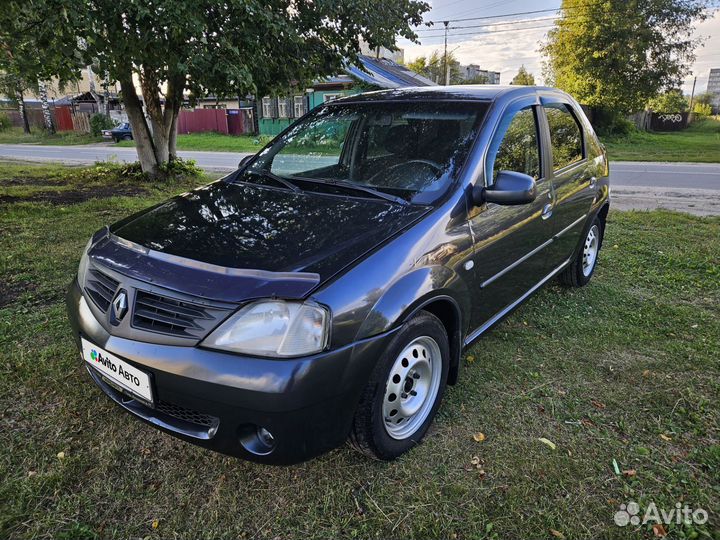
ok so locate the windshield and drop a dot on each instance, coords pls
(409, 150)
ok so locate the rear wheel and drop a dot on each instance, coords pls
(582, 268)
(127, 137)
(404, 391)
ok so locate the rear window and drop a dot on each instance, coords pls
(566, 136)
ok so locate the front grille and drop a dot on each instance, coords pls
(171, 316)
(187, 415)
(100, 288)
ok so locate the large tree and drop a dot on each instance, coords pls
(35, 46)
(616, 54)
(171, 48)
(523, 78)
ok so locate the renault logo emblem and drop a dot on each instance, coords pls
(119, 305)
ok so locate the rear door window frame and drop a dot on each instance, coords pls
(583, 135)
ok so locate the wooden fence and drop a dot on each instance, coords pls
(226, 121)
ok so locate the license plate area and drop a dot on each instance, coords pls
(118, 373)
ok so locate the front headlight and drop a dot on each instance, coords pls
(273, 328)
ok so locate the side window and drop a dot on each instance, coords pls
(566, 136)
(266, 107)
(516, 146)
(282, 104)
(299, 106)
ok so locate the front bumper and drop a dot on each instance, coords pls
(216, 399)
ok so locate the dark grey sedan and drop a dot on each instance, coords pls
(327, 289)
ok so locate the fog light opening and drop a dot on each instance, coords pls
(257, 439)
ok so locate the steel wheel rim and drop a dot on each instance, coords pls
(412, 387)
(590, 250)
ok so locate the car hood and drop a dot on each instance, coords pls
(235, 241)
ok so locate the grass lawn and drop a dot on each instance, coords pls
(700, 142)
(213, 142)
(16, 136)
(625, 370)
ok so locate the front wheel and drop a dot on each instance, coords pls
(404, 391)
(582, 268)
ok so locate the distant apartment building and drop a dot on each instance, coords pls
(713, 87)
(472, 71)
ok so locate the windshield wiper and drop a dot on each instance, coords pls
(279, 179)
(359, 187)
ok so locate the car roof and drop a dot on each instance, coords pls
(476, 92)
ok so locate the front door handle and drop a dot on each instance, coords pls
(593, 182)
(547, 211)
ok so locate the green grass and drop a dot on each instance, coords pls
(700, 142)
(213, 142)
(625, 369)
(16, 136)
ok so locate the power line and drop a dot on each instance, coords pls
(490, 31)
(519, 21)
(510, 14)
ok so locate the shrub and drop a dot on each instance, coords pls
(4, 121)
(109, 171)
(262, 140)
(702, 109)
(180, 168)
(610, 122)
(672, 101)
(99, 122)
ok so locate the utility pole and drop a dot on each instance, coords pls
(445, 62)
(692, 94)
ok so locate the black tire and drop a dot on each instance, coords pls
(127, 138)
(368, 434)
(575, 275)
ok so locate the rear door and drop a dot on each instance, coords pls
(510, 241)
(572, 177)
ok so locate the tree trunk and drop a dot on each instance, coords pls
(163, 119)
(47, 116)
(141, 132)
(23, 113)
(172, 141)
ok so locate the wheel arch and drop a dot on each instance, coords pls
(602, 216)
(437, 290)
(448, 311)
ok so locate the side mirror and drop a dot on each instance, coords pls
(244, 161)
(510, 188)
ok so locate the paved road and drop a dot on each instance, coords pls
(221, 161)
(622, 173)
(665, 175)
(688, 187)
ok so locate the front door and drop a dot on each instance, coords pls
(510, 241)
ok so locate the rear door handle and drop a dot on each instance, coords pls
(547, 211)
(593, 182)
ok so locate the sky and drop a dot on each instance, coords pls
(510, 45)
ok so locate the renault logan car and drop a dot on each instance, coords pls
(326, 290)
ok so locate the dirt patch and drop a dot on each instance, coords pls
(75, 196)
(10, 292)
(700, 202)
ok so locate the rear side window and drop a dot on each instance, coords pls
(515, 147)
(565, 135)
